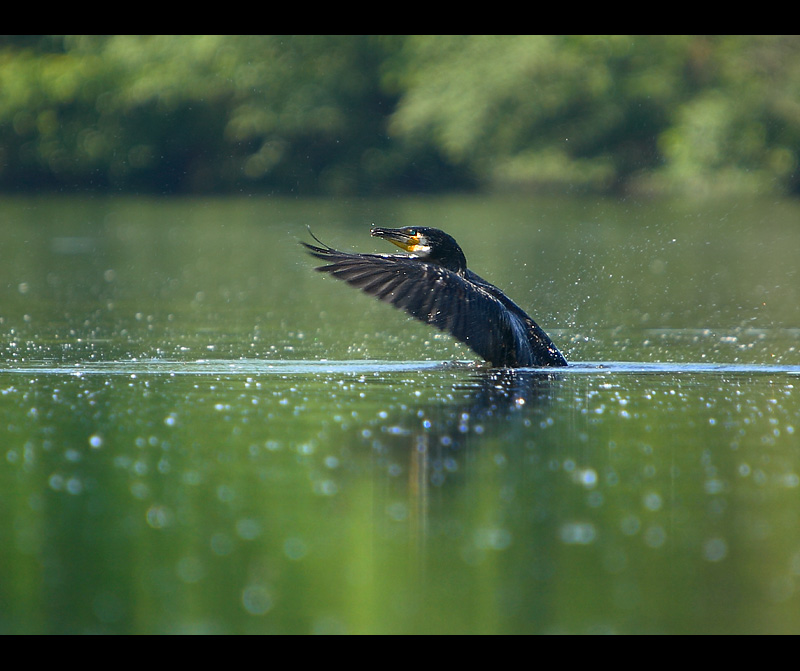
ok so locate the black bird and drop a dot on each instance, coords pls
(433, 284)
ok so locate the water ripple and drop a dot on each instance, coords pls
(297, 367)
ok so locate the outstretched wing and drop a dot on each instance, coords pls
(434, 295)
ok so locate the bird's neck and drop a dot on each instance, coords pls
(458, 264)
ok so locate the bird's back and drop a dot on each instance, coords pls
(526, 342)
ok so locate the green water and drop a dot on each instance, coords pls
(200, 434)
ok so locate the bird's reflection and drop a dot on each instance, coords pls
(496, 414)
(504, 392)
(493, 405)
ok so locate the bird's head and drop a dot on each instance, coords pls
(429, 244)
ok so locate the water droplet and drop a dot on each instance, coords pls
(256, 599)
(578, 533)
(715, 549)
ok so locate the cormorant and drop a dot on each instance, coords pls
(433, 284)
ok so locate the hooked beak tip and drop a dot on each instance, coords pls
(385, 233)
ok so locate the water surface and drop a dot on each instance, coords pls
(201, 435)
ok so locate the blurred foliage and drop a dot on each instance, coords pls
(370, 114)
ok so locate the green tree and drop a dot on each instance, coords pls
(361, 114)
(607, 111)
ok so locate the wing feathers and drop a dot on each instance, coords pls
(469, 308)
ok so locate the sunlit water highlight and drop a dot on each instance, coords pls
(374, 367)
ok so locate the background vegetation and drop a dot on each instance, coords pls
(365, 115)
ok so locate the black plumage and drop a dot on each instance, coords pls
(433, 284)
